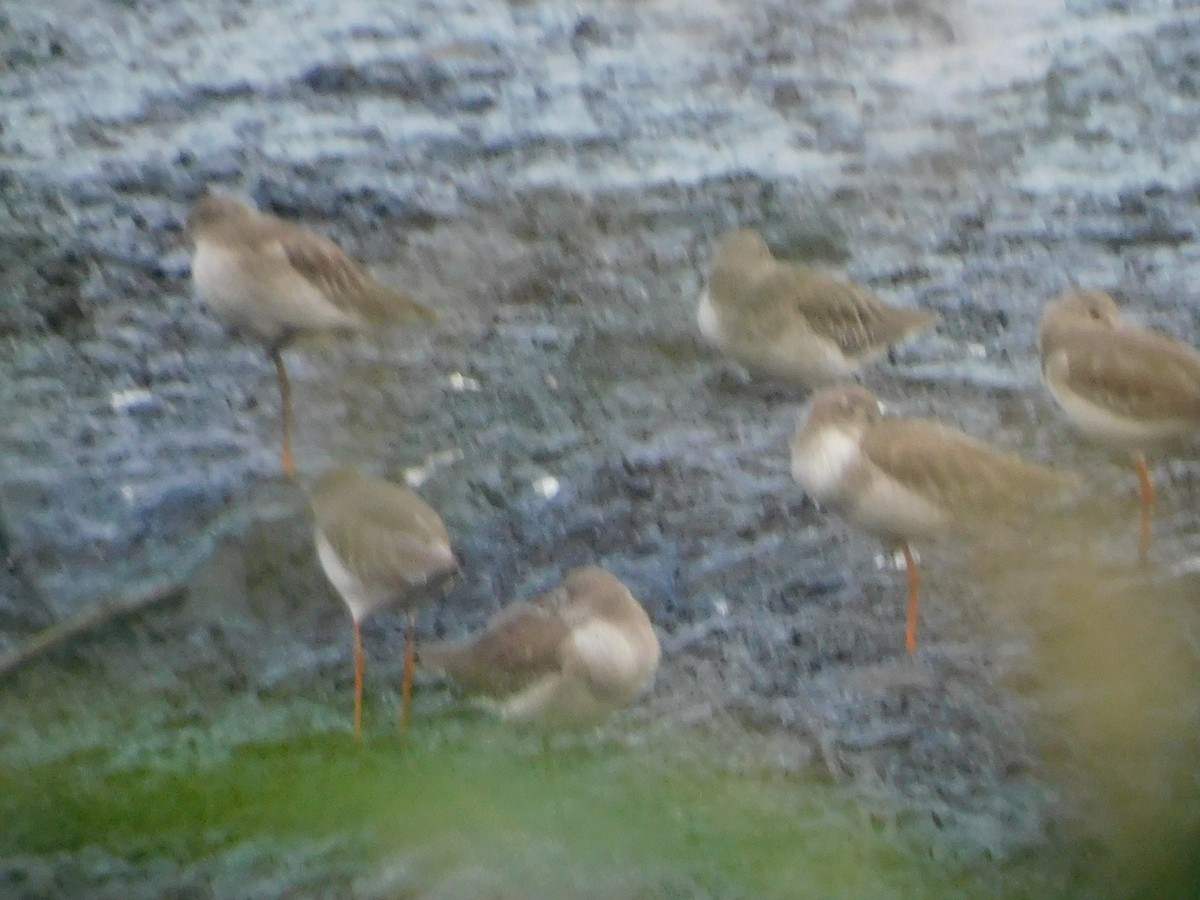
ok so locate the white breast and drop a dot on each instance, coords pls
(611, 658)
(359, 597)
(821, 463)
(706, 318)
(260, 292)
(221, 279)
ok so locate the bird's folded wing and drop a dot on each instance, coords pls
(846, 313)
(379, 551)
(954, 470)
(326, 266)
(1134, 373)
(522, 645)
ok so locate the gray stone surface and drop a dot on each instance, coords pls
(552, 176)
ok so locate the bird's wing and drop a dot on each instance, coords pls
(848, 314)
(323, 264)
(955, 471)
(1133, 372)
(521, 645)
(406, 549)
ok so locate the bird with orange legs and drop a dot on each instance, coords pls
(381, 546)
(277, 281)
(906, 480)
(1119, 383)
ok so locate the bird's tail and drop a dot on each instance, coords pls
(1040, 504)
(913, 320)
(388, 304)
(895, 324)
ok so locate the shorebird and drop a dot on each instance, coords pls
(569, 657)
(792, 321)
(1123, 385)
(380, 545)
(911, 479)
(276, 281)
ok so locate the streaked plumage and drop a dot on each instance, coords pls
(793, 321)
(380, 545)
(569, 657)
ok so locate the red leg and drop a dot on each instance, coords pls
(914, 599)
(410, 655)
(360, 664)
(1147, 498)
(285, 402)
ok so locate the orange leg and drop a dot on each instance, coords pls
(410, 655)
(1147, 498)
(914, 599)
(285, 402)
(360, 664)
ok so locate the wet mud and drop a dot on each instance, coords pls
(553, 179)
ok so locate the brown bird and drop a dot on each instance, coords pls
(793, 321)
(380, 545)
(569, 657)
(911, 479)
(1120, 384)
(277, 281)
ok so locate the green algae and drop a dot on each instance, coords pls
(467, 807)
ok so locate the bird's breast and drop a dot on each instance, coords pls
(613, 659)
(361, 597)
(257, 290)
(708, 320)
(220, 277)
(822, 463)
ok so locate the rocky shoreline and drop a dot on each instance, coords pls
(553, 180)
